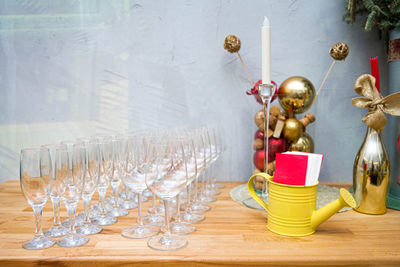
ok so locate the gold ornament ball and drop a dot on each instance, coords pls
(292, 129)
(296, 94)
(305, 143)
(259, 119)
(232, 43)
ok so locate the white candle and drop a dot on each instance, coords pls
(266, 51)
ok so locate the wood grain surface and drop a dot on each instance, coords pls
(231, 235)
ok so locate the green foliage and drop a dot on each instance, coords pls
(371, 21)
(383, 14)
(395, 7)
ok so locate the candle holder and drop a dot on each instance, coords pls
(266, 92)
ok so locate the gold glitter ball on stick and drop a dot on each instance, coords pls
(339, 51)
(232, 43)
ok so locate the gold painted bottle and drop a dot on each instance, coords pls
(371, 174)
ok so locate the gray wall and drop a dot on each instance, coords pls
(74, 68)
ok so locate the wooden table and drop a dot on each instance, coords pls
(231, 234)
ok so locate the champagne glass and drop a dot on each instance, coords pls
(57, 229)
(71, 186)
(69, 144)
(119, 159)
(166, 178)
(135, 181)
(35, 175)
(91, 157)
(106, 171)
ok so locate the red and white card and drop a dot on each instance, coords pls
(297, 168)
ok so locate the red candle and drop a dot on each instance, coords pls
(375, 71)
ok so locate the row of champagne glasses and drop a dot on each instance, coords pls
(79, 168)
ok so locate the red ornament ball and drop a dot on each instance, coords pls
(259, 135)
(276, 145)
(258, 159)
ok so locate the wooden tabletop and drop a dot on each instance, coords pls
(231, 234)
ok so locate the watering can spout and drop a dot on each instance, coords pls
(345, 199)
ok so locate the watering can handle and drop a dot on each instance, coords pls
(253, 193)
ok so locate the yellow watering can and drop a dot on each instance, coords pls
(291, 209)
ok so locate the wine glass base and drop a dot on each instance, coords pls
(79, 219)
(192, 217)
(41, 242)
(167, 242)
(179, 228)
(118, 212)
(106, 220)
(73, 240)
(213, 192)
(206, 199)
(129, 205)
(152, 210)
(153, 219)
(199, 207)
(56, 231)
(140, 231)
(89, 229)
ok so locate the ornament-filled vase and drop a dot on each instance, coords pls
(371, 173)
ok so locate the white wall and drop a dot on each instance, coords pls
(74, 68)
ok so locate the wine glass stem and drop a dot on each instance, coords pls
(37, 210)
(168, 231)
(102, 195)
(71, 213)
(266, 126)
(154, 200)
(126, 197)
(206, 171)
(115, 187)
(86, 205)
(196, 181)
(139, 206)
(56, 210)
(205, 180)
(189, 202)
(178, 207)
